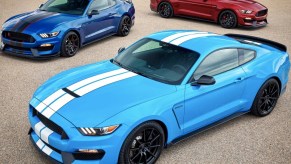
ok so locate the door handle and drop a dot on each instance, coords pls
(111, 14)
(239, 79)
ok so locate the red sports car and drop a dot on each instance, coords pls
(228, 13)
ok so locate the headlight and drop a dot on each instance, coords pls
(49, 35)
(246, 11)
(98, 131)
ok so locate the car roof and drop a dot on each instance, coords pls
(199, 41)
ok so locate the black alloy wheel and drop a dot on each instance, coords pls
(70, 44)
(144, 144)
(228, 19)
(165, 10)
(266, 98)
(124, 26)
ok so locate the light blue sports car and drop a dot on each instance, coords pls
(161, 89)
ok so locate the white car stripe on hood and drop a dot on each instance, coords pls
(178, 35)
(53, 97)
(104, 82)
(59, 93)
(95, 78)
(189, 37)
(40, 107)
(66, 98)
(55, 106)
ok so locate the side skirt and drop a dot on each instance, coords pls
(106, 36)
(196, 18)
(186, 136)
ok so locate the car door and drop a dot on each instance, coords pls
(102, 23)
(205, 104)
(197, 8)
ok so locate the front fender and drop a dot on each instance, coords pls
(160, 109)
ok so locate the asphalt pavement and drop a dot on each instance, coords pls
(247, 139)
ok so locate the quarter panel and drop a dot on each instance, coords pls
(258, 71)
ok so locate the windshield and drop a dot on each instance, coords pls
(76, 7)
(157, 60)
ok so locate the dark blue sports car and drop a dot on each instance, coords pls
(61, 27)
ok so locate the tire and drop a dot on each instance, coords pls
(165, 10)
(124, 26)
(70, 44)
(144, 143)
(266, 98)
(228, 19)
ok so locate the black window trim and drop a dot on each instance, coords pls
(238, 50)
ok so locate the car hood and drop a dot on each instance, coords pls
(103, 102)
(248, 5)
(37, 21)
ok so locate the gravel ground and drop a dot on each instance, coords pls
(244, 140)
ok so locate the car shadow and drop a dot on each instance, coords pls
(209, 132)
(27, 59)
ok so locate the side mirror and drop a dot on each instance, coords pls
(121, 49)
(40, 5)
(204, 80)
(93, 12)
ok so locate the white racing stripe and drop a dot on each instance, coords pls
(39, 144)
(40, 107)
(104, 82)
(55, 104)
(47, 150)
(45, 133)
(54, 96)
(48, 112)
(38, 127)
(95, 78)
(189, 37)
(178, 35)
(54, 107)
(83, 87)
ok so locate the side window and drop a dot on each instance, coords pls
(246, 56)
(101, 4)
(217, 62)
(112, 2)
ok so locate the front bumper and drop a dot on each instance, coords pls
(65, 150)
(32, 49)
(251, 20)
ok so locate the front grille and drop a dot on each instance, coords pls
(51, 125)
(262, 13)
(18, 37)
(20, 48)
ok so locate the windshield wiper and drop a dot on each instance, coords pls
(134, 71)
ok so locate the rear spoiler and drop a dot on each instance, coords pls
(257, 41)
